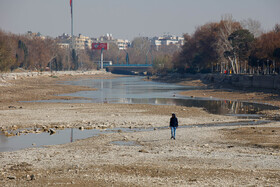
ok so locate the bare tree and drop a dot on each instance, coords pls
(253, 26)
(6, 56)
(139, 48)
(227, 26)
(277, 28)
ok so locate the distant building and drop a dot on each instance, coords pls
(64, 45)
(64, 41)
(108, 38)
(82, 42)
(64, 38)
(166, 40)
(122, 44)
(35, 35)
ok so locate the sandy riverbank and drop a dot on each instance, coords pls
(219, 156)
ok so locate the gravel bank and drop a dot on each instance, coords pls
(207, 156)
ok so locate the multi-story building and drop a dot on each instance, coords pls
(35, 35)
(108, 38)
(64, 41)
(156, 42)
(64, 45)
(122, 44)
(82, 42)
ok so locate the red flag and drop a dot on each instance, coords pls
(71, 5)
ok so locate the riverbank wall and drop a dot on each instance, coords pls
(244, 81)
(22, 75)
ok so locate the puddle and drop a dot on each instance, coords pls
(41, 139)
(70, 135)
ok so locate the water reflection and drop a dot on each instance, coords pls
(40, 139)
(133, 90)
(62, 136)
(126, 87)
(222, 107)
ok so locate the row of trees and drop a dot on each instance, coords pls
(35, 53)
(32, 53)
(230, 46)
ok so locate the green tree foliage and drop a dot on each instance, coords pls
(23, 61)
(276, 53)
(241, 42)
(75, 60)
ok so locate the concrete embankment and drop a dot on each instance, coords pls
(22, 75)
(245, 81)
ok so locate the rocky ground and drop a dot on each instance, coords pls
(207, 156)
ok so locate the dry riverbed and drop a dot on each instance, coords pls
(218, 156)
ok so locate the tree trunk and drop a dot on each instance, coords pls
(232, 65)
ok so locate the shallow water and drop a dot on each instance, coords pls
(70, 135)
(133, 90)
(60, 137)
(38, 140)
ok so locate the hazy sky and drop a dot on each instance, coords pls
(129, 18)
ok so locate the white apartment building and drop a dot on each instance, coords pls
(167, 40)
(122, 44)
(108, 38)
(64, 45)
(82, 42)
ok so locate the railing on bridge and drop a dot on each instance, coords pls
(128, 65)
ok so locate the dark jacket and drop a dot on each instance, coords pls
(173, 121)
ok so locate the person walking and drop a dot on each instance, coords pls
(173, 125)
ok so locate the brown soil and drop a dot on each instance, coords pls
(42, 88)
(255, 136)
(208, 156)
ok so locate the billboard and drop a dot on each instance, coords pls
(99, 46)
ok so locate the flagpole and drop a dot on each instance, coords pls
(72, 30)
